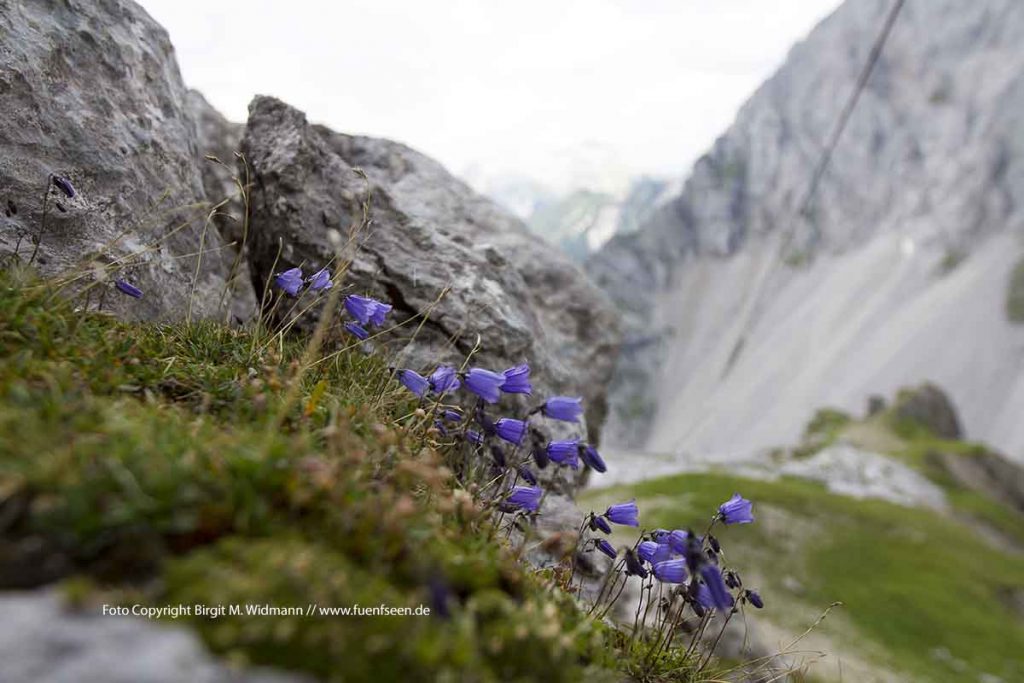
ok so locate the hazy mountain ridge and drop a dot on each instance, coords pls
(899, 273)
(582, 219)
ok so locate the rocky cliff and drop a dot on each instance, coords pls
(91, 93)
(746, 313)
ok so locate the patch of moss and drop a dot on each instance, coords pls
(822, 431)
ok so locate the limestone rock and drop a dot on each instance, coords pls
(929, 406)
(91, 91)
(430, 234)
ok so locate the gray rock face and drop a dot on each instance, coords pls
(897, 274)
(42, 641)
(429, 233)
(91, 91)
(219, 140)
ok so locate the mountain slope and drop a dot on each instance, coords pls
(900, 272)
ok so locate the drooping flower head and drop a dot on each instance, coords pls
(366, 310)
(380, 313)
(736, 510)
(444, 379)
(320, 281)
(414, 382)
(717, 591)
(565, 408)
(290, 281)
(524, 498)
(606, 548)
(356, 330)
(599, 523)
(128, 288)
(626, 514)
(660, 535)
(485, 384)
(670, 571)
(754, 598)
(511, 430)
(474, 436)
(592, 459)
(517, 380)
(678, 539)
(452, 415)
(647, 550)
(564, 452)
(64, 185)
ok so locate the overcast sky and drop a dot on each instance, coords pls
(563, 91)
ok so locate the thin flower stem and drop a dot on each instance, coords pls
(711, 650)
(604, 585)
(42, 220)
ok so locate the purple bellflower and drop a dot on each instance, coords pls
(366, 310)
(663, 553)
(290, 281)
(670, 571)
(626, 514)
(754, 598)
(524, 498)
(64, 185)
(473, 436)
(606, 548)
(452, 415)
(593, 459)
(564, 452)
(599, 523)
(356, 330)
(678, 539)
(565, 408)
(647, 550)
(511, 430)
(444, 379)
(517, 380)
(736, 510)
(128, 288)
(414, 382)
(320, 281)
(485, 384)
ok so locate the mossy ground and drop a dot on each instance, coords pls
(162, 464)
(936, 601)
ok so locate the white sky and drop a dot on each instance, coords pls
(562, 91)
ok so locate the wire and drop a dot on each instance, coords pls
(816, 177)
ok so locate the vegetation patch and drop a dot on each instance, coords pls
(926, 588)
(197, 464)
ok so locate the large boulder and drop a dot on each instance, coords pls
(930, 407)
(91, 91)
(429, 232)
